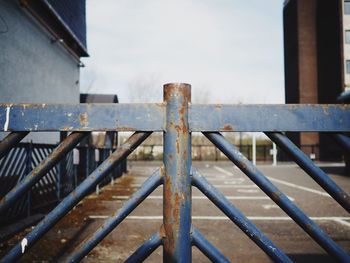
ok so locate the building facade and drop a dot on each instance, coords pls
(317, 60)
(41, 43)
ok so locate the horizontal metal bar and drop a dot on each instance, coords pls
(11, 141)
(313, 170)
(81, 117)
(238, 217)
(343, 141)
(146, 249)
(76, 195)
(146, 189)
(255, 118)
(207, 248)
(150, 117)
(278, 197)
(41, 170)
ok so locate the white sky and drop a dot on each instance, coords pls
(231, 51)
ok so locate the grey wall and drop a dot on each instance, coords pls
(32, 68)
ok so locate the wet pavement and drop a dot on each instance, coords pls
(234, 244)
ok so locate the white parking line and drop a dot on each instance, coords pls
(248, 190)
(268, 206)
(339, 220)
(215, 185)
(342, 222)
(125, 197)
(202, 197)
(223, 170)
(307, 189)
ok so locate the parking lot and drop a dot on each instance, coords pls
(213, 224)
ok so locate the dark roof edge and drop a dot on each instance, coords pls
(51, 20)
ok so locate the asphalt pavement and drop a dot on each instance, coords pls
(214, 225)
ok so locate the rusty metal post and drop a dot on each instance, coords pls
(177, 183)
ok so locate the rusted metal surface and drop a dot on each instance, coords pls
(11, 141)
(177, 183)
(75, 196)
(82, 117)
(137, 198)
(278, 197)
(34, 176)
(151, 117)
(270, 118)
(313, 170)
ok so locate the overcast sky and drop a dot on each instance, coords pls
(231, 51)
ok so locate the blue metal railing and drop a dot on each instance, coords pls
(177, 118)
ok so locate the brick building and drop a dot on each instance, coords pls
(317, 60)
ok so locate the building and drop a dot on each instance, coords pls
(41, 44)
(317, 60)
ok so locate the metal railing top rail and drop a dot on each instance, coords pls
(151, 117)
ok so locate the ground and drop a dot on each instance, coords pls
(234, 244)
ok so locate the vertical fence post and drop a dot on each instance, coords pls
(274, 154)
(254, 148)
(177, 184)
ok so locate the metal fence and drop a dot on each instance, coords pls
(177, 118)
(55, 184)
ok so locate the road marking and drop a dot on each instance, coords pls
(202, 197)
(223, 170)
(307, 189)
(268, 207)
(342, 222)
(235, 181)
(215, 185)
(287, 184)
(248, 190)
(339, 220)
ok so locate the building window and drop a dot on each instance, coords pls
(347, 36)
(347, 7)
(348, 66)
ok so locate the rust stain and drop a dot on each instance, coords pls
(276, 197)
(84, 119)
(178, 128)
(169, 242)
(176, 209)
(228, 127)
(182, 110)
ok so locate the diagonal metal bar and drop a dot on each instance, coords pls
(146, 249)
(238, 218)
(343, 141)
(313, 170)
(74, 197)
(207, 248)
(11, 141)
(137, 198)
(43, 168)
(278, 197)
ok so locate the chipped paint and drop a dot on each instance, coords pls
(24, 243)
(7, 121)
